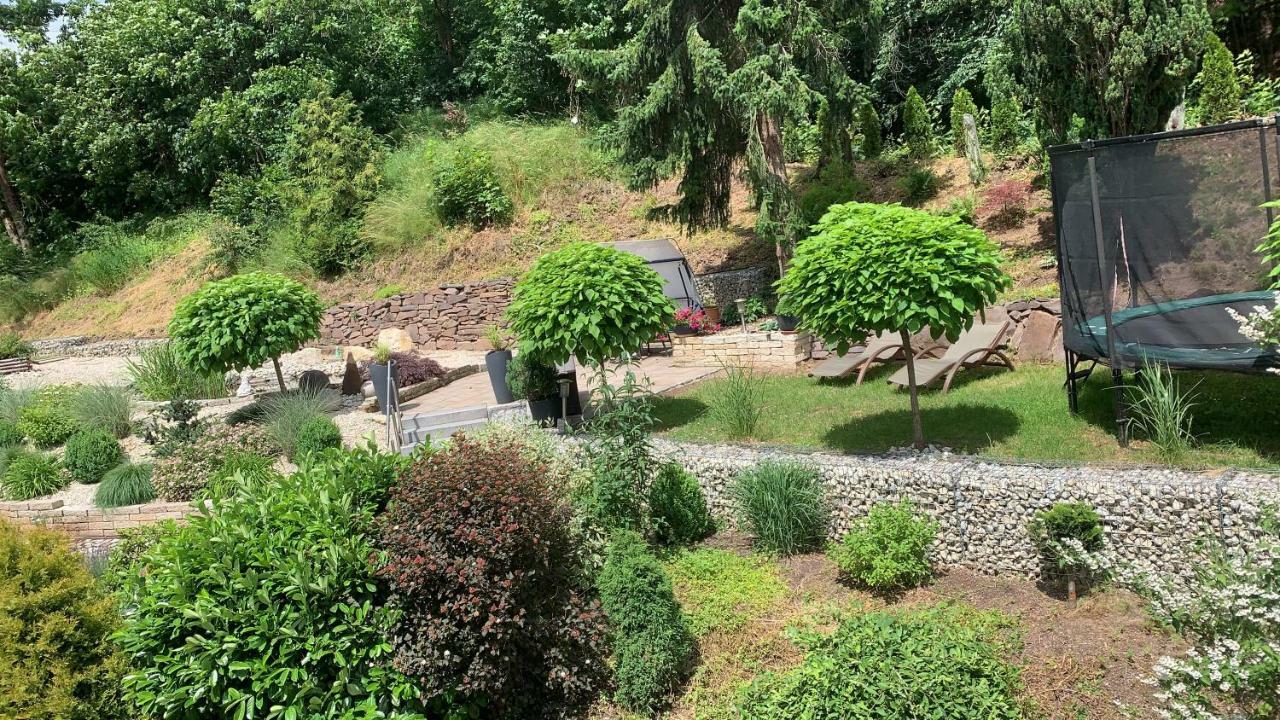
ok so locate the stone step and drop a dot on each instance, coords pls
(440, 432)
(448, 417)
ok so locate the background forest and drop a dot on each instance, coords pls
(318, 137)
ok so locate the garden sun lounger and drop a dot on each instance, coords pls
(881, 348)
(980, 345)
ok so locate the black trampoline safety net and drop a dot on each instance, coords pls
(1157, 238)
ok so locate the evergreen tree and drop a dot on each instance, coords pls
(869, 126)
(1219, 86)
(1005, 118)
(961, 104)
(917, 130)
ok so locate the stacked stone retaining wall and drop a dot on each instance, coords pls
(1153, 516)
(83, 523)
(450, 317)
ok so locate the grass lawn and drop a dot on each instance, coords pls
(992, 412)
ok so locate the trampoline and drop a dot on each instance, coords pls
(1156, 239)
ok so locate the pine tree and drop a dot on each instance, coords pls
(917, 129)
(1219, 86)
(961, 104)
(869, 126)
(1005, 118)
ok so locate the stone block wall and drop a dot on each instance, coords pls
(92, 523)
(722, 288)
(757, 349)
(1152, 515)
(451, 317)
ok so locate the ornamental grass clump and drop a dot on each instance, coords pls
(31, 475)
(104, 407)
(125, 484)
(736, 407)
(782, 504)
(888, 550)
(1162, 410)
(483, 572)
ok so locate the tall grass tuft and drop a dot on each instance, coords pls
(104, 407)
(736, 408)
(783, 505)
(125, 484)
(1162, 410)
(159, 375)
(13, 400)
(286, 415)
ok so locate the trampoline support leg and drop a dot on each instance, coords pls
(1122, 408)
(1073, 390)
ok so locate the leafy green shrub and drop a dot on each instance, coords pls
(160, 374)
(172, 425)
(10, 435)
(918, 185)
(231, 246)
(312, 648)
(677, 510)
(1006, 117)
(837, 185)
(316, 434)
(651, 638)
(753, 310)
(287, 414)
(736, 407)
(624, 307)
(32, 475)
(90, 454)
(917, 128)
(47, 422)
(482, 565)
(388, 291)
(961, 104)
(59, 661)
(888, 549)
(13, 346)
(243, 321)
(1219, 87)
(782, 504)
(619, 456)
(105, 407)
(938, 662)
(125, 484)
(183, 474)
(467, 192)
(126, 555)
(1067, 535)
(869, 128)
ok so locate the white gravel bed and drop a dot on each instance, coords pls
(73, 370)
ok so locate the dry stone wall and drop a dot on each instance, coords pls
(1152, 515)
(92, 523)
(451, 317)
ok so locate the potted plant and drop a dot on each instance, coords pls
(535, 382)
(713, 313)
(682, 327)
(787, 322)
(496, 362)
(378, 375)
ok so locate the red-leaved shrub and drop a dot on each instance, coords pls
(486, 575)
(410, 369)
(1004, 205)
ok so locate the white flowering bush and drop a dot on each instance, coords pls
(1231, 614)
(1261, 326)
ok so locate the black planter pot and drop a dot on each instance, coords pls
(378, 376)
(496, 361)
(544, 409)
(788, 323)
(683, 330)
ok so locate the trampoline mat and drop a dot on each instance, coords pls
(1196, 332)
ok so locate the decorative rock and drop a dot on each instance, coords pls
(351, 381)
(1039, 338)
(313, 381)
(396, 339)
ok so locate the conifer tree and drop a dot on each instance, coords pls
(961, 104)
(917, 130)
(1219, 86)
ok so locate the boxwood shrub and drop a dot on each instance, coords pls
(288, 621)
(651, 637)
(55, 629)
(677, 510)
(483, 569)
(90, 454)
(316, 434)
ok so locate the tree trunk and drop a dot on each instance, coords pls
(973, 151)
(14, 225)
(917, 428)
(773, 169)
(444, 28)
(279, 373)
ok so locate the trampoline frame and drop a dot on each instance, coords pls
(1075, 375)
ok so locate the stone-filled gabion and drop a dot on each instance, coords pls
(1153, 516)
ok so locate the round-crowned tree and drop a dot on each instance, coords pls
(886, 268)
(244, 320)
(588, 301)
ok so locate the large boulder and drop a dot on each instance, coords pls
(396, 339)
(1039, 338)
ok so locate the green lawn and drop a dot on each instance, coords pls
(993, 412)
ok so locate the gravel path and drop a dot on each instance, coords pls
(67, 371)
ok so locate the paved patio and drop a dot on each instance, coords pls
(475, 391)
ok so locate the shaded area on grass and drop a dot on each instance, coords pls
(993, 412)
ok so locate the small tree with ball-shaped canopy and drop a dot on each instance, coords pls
(243, 321)
(588, 301)
(885, 268)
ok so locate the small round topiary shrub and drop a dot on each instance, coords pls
(10, 435)
(485, 572)
(677, 509)
(90, 454)
(32, 475)
(59, 661)
(783, 505)
(47, 423)
(888, 549)
(316, 434)
(652, 641)
(125, 484)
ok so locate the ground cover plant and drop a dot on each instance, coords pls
(184, 473)
(59, 661)
(887, 550)
(782, 505)
(1019, 415)
(721, 590)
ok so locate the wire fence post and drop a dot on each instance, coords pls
(1108, 290)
